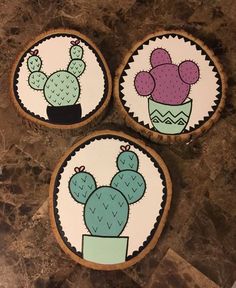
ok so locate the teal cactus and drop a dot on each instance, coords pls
(127, 159)
(106, 209)
(130, 183)
(106, 212)
(128, 180)
(62, 87)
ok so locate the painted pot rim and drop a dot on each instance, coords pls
(187, 101)
(105, 237)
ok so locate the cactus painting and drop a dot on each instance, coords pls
(61, 80)
(109, 200)
(61, 89)
(106, 208)
(167, 87)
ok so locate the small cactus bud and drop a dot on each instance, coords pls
(34, 52)
(125, 148)
(76, 42)
(79, 169)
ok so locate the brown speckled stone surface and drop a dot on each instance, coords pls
(201, 226)
(173, 271)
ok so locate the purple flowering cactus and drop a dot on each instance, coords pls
(167, 83)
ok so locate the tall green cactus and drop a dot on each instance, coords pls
(106, 209)
(62, 87)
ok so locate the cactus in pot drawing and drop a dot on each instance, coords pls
(61, 89)
(106, 208)
(167, 85)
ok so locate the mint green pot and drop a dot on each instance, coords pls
(105, 250)
(169, 119)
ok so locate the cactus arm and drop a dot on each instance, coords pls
(127, 160)
(160, 56)
(76, 51)
(37, 80)
(81, 185)
(76, 67)
(131, 184)
(144, 83)
(189, 72)
(34, 62)
(128, 181)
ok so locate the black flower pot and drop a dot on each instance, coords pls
(64, 114)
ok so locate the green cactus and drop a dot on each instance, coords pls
(62, 87)
(76, 52)
(76, 67)
(34, 62)
(37, 80)
(106, 209)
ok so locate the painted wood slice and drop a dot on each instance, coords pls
(61, 80)
(109, 199)
(170, 87)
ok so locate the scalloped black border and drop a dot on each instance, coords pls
(198, 47)
(54, 35)
(56, 190)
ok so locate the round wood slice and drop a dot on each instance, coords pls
(170, 87)
(61, 80)
(109, 199)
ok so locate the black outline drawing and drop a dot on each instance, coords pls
(57, 183)
(203, 52)
(33, 47)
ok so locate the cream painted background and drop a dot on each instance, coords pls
(99, 158)
(203, 92)
(55, 56)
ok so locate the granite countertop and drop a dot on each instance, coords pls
(200, 233)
